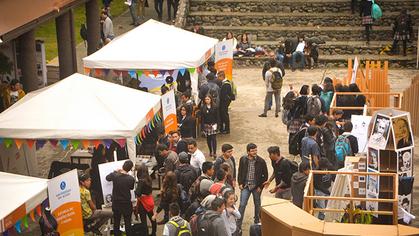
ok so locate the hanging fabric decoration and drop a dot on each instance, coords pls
(139, 73)
(18, 226)
(170, 72)
(85, 143)
(98, 72)
(40, 143)
(96, 143)
(75, 144)
(132, 73)
(64, 143)
(86, 71)
(30, 142)
(25, 221)
(38, 210)
(18, 143)
(124, 73)
(163, 72)
(106, 71)
(6, 232)
(32, 215)
(8, 142)
(117, 72)
(53, 142)
(147, 73)
(108, 143)
(121, 142)
(155, 73)
(191, 70)
(182, 71)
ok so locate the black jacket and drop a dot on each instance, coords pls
(282, 172)
(226, 93)
(186, 126)
(365, 8)
(122, 186)
(186, 175)
(184, 82)
(209, 116)
(298, 183)
(261, 171)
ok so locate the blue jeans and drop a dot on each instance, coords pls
(320, 203)
(244, 198)
(294, 63)
(133, 12)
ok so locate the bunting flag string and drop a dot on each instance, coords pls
(64, 143)
(139, 73)
(121, 142)
(147, 73)
(132, 73)
(107, 143)
(53, 142)
(32, 215)
(155, 73)
(106, 71)
(25, 222)
(182, 71)
(191, 70)
(18, 226)
(85, 143)
(98, 72)
(38, 210)
(8, 142)
(30, 142)
(86, 71)
(75, 143)
(18, 143)
(40, 143)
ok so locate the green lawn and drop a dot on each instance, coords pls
(47, 31)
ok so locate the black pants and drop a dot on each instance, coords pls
(353, 5)
(224, 117)
(368, 29)
(212, 143)
(164, 206)
(122, 210)
(143, 217)
(395, 49)
(172, 4)
(158, 6)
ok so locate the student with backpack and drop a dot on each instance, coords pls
(273, 82)
(231, 214)
(322, 183)
(294, 146)
(315, 105)
(326, 138)
(326, 95)
(346, 144)
(298, 112)
(218, 187)
(176, 226)
(283, 169)
(195, 192)
(298, 183)
(211, 223)
(185, 173)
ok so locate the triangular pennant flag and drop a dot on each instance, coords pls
(8, 142)
(191, 70)
(147, 73)
(199, 70)
(155, 73)
(108, 143)
(32, 215)
(163, 72)
(25, 221)
(38, 210)
(96, 143)
(85, 143)
(139, 73)
(53, 142)
(86, 71)
(18, 226)
(117, 72)
(40, 143)
(75, 144)
(170, 72)
(98, 72)
(132, 73)
(106, 71)
(124, 73)
(30, 142)
(121, 142)
(64, 143)
(18, 143)
(182, 71)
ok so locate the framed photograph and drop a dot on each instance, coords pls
(373, 184)
(405, 202)
(361, 166)
(402, 132)
(404, 158)
(361, 179)
(380, 132)
(361, 191)
(373, 158)
(372, 206)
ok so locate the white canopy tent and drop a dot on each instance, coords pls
(24, 193)
(153, 45)
(82, 108)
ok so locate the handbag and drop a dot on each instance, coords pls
(376, 12)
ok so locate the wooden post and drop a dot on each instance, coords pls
(395, 198)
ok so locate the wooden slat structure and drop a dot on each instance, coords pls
(410, 103)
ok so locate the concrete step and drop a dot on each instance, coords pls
(286, 19)
(309, 6)
(342, 47)
(273, 33)
(337, 60)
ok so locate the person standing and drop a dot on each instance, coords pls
(133, 12)
(158, 6)
(123, 183)
(169, 157)
(366, 14)
(13, 93)
(252, 174)
(297, 57)
(197, 157)
(402, 29)
(170, 193)
(226, 157)
(186, 123)
(298, 183)
(141, 10)
(107, 28)
(176, 225)
(353, 6)
(310, 149)
(209, 116)
(273, 82)
(172, 4)
(185, 173)
(226, 96)
(230, 214)
(281, 173)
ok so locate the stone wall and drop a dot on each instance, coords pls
(182, 14)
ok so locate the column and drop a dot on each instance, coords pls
(66, 43)
(93, 26)
(28, 61)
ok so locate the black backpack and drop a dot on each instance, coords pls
(294, 147)
(293, 166)
(184, 200)
(204, 224)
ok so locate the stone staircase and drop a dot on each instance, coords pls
(270, 22)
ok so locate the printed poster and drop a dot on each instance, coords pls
(107, 186)
(64, 201)
(404, 161)
(360, 125)
(380, 134)
(373, 159)
(402, 132)
(405, 203)
(373, 189)
(224, 58)
(169, 111)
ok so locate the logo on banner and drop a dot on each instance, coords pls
(62, 185)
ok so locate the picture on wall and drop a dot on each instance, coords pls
(405, 203)
(380, 134)
(373, 159)
(402, 132)
(372, 206)
(373, 184)
(405, 160)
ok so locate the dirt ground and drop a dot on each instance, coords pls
(247, 127)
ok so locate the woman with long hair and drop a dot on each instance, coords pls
(185, 122)
(169, 194)
(230, 35)
(209, 116)
(145, 201)
(244, 47)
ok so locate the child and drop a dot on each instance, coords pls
(231, 214)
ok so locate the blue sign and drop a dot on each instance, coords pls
(62, 185)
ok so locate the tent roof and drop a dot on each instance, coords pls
(153, 45)
(21, 190)
(79, 107)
